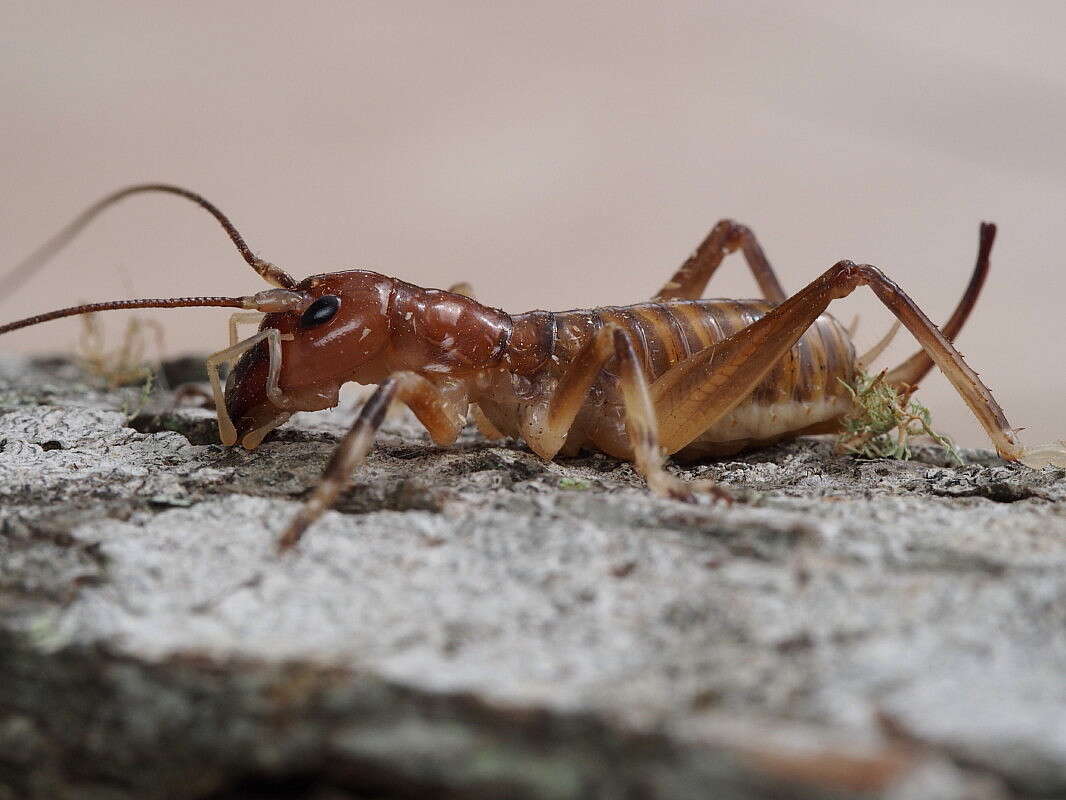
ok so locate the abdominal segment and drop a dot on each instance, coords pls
(803, 393)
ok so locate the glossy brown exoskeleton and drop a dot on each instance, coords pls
(674, 376)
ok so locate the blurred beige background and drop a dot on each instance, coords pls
(554, 154)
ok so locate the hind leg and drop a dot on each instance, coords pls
(727, 236)
(695, 393)
(911, 371)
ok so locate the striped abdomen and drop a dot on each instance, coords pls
(801, 393)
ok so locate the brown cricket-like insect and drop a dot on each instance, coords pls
(674, 376)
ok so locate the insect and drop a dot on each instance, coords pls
(675, 376)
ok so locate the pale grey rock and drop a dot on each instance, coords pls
(475, 622)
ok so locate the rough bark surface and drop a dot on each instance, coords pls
(475, 622)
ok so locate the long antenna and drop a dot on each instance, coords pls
(157, 302)
(273, 275)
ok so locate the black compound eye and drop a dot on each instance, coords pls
(321, 311)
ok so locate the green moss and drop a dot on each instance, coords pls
(885, 421)
(574, 484)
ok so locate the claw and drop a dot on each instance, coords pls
(682, 494)
(715, 491)
(686, 491)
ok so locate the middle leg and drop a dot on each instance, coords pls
(545, 427)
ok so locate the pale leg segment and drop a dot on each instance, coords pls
(227, 433)
(243, 318)
(193, 391)
(463, 288)
(545, 428)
